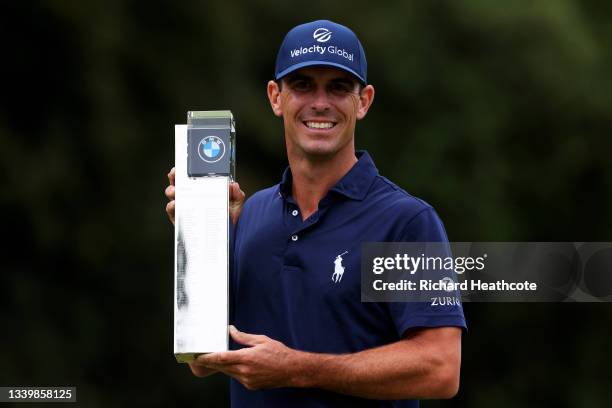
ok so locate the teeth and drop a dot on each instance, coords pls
(320, 125)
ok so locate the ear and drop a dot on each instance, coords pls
(366, 97)
(274, 97)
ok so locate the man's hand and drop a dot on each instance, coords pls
(236, 201)
(423, 364)
(170, 194)
(236, 197)
(265, 363)
(199, 370)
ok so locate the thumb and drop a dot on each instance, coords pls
(236, 201)
(245, 339)
(236, 194)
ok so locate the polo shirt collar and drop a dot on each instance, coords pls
(354, 185)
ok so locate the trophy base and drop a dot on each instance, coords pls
(186, 357)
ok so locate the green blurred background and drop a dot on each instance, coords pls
(497, 113)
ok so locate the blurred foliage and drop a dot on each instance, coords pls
(498, 114)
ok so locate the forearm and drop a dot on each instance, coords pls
(410, 368)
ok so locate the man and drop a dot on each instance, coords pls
(305, 337)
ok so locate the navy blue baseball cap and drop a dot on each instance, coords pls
(321, 42)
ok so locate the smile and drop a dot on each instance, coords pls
(319, 125)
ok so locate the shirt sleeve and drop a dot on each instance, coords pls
(425, 226)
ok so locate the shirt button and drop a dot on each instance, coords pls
(294, 237)
(294, 213)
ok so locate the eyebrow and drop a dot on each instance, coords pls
(298, 77)
(344, 80)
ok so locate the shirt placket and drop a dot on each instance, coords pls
(297, 229)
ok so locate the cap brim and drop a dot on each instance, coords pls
(319, 63)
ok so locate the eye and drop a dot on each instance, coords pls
(300, 85)
(342, 88)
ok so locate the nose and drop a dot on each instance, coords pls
(320, 100)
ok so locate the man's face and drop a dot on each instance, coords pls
(319, 107)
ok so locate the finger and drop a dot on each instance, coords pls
(200, 370)
(236, 194)
(233, 370)
(170, 210)
(171, 176)
(219, 359)
(170, 193)
(246, 339)
(236, 202)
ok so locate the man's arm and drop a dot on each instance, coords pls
(424, 364)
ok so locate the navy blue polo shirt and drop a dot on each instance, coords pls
(283, 285)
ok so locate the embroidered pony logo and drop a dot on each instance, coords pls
(338, 268)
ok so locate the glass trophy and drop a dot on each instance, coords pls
(205, 151)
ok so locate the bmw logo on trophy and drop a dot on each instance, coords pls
(205, 165)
